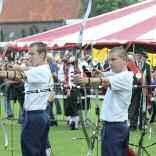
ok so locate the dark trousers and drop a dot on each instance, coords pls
(114, 139)
(153, 111)
(34, 136)
(58, 106)
(134, 108)
(50, 112)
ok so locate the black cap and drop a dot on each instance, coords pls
(143, 53)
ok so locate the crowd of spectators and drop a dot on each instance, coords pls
(63, 68)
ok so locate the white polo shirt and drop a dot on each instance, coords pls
(37, 78)
(118, 97)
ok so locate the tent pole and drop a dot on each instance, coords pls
(133, 46)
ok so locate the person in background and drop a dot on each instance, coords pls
(144, 102)
(133, 112)
(71, 107)
(54, 71)
(153, 99)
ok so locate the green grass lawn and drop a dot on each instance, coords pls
(61, 138)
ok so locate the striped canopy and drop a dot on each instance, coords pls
(134, 24)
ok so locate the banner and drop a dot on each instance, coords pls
(152, 59)
(99, 55)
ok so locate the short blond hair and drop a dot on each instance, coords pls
(120, 51)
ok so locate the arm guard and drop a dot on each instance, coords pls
(20, 75)
(13, 75)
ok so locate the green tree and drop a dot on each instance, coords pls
(103, 6)
(23, 33)
(1, 35)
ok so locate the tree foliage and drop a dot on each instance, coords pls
(103, 6)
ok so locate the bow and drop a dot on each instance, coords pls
(1, 6)
(78, 54)
(2, 125)
(5, 134)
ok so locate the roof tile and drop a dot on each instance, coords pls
(39, 10)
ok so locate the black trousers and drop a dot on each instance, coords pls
(134, 108)
(153, 111)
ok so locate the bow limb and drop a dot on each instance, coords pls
(4, 134)
(83, 24)
(82, 28)
(4, 130)
(1, 6)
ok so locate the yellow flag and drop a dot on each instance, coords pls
(152, 59)
(57, 57)
(100, 54)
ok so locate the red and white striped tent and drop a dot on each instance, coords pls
(135, 24)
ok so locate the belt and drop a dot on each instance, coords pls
(34, 111)
(110, 123)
